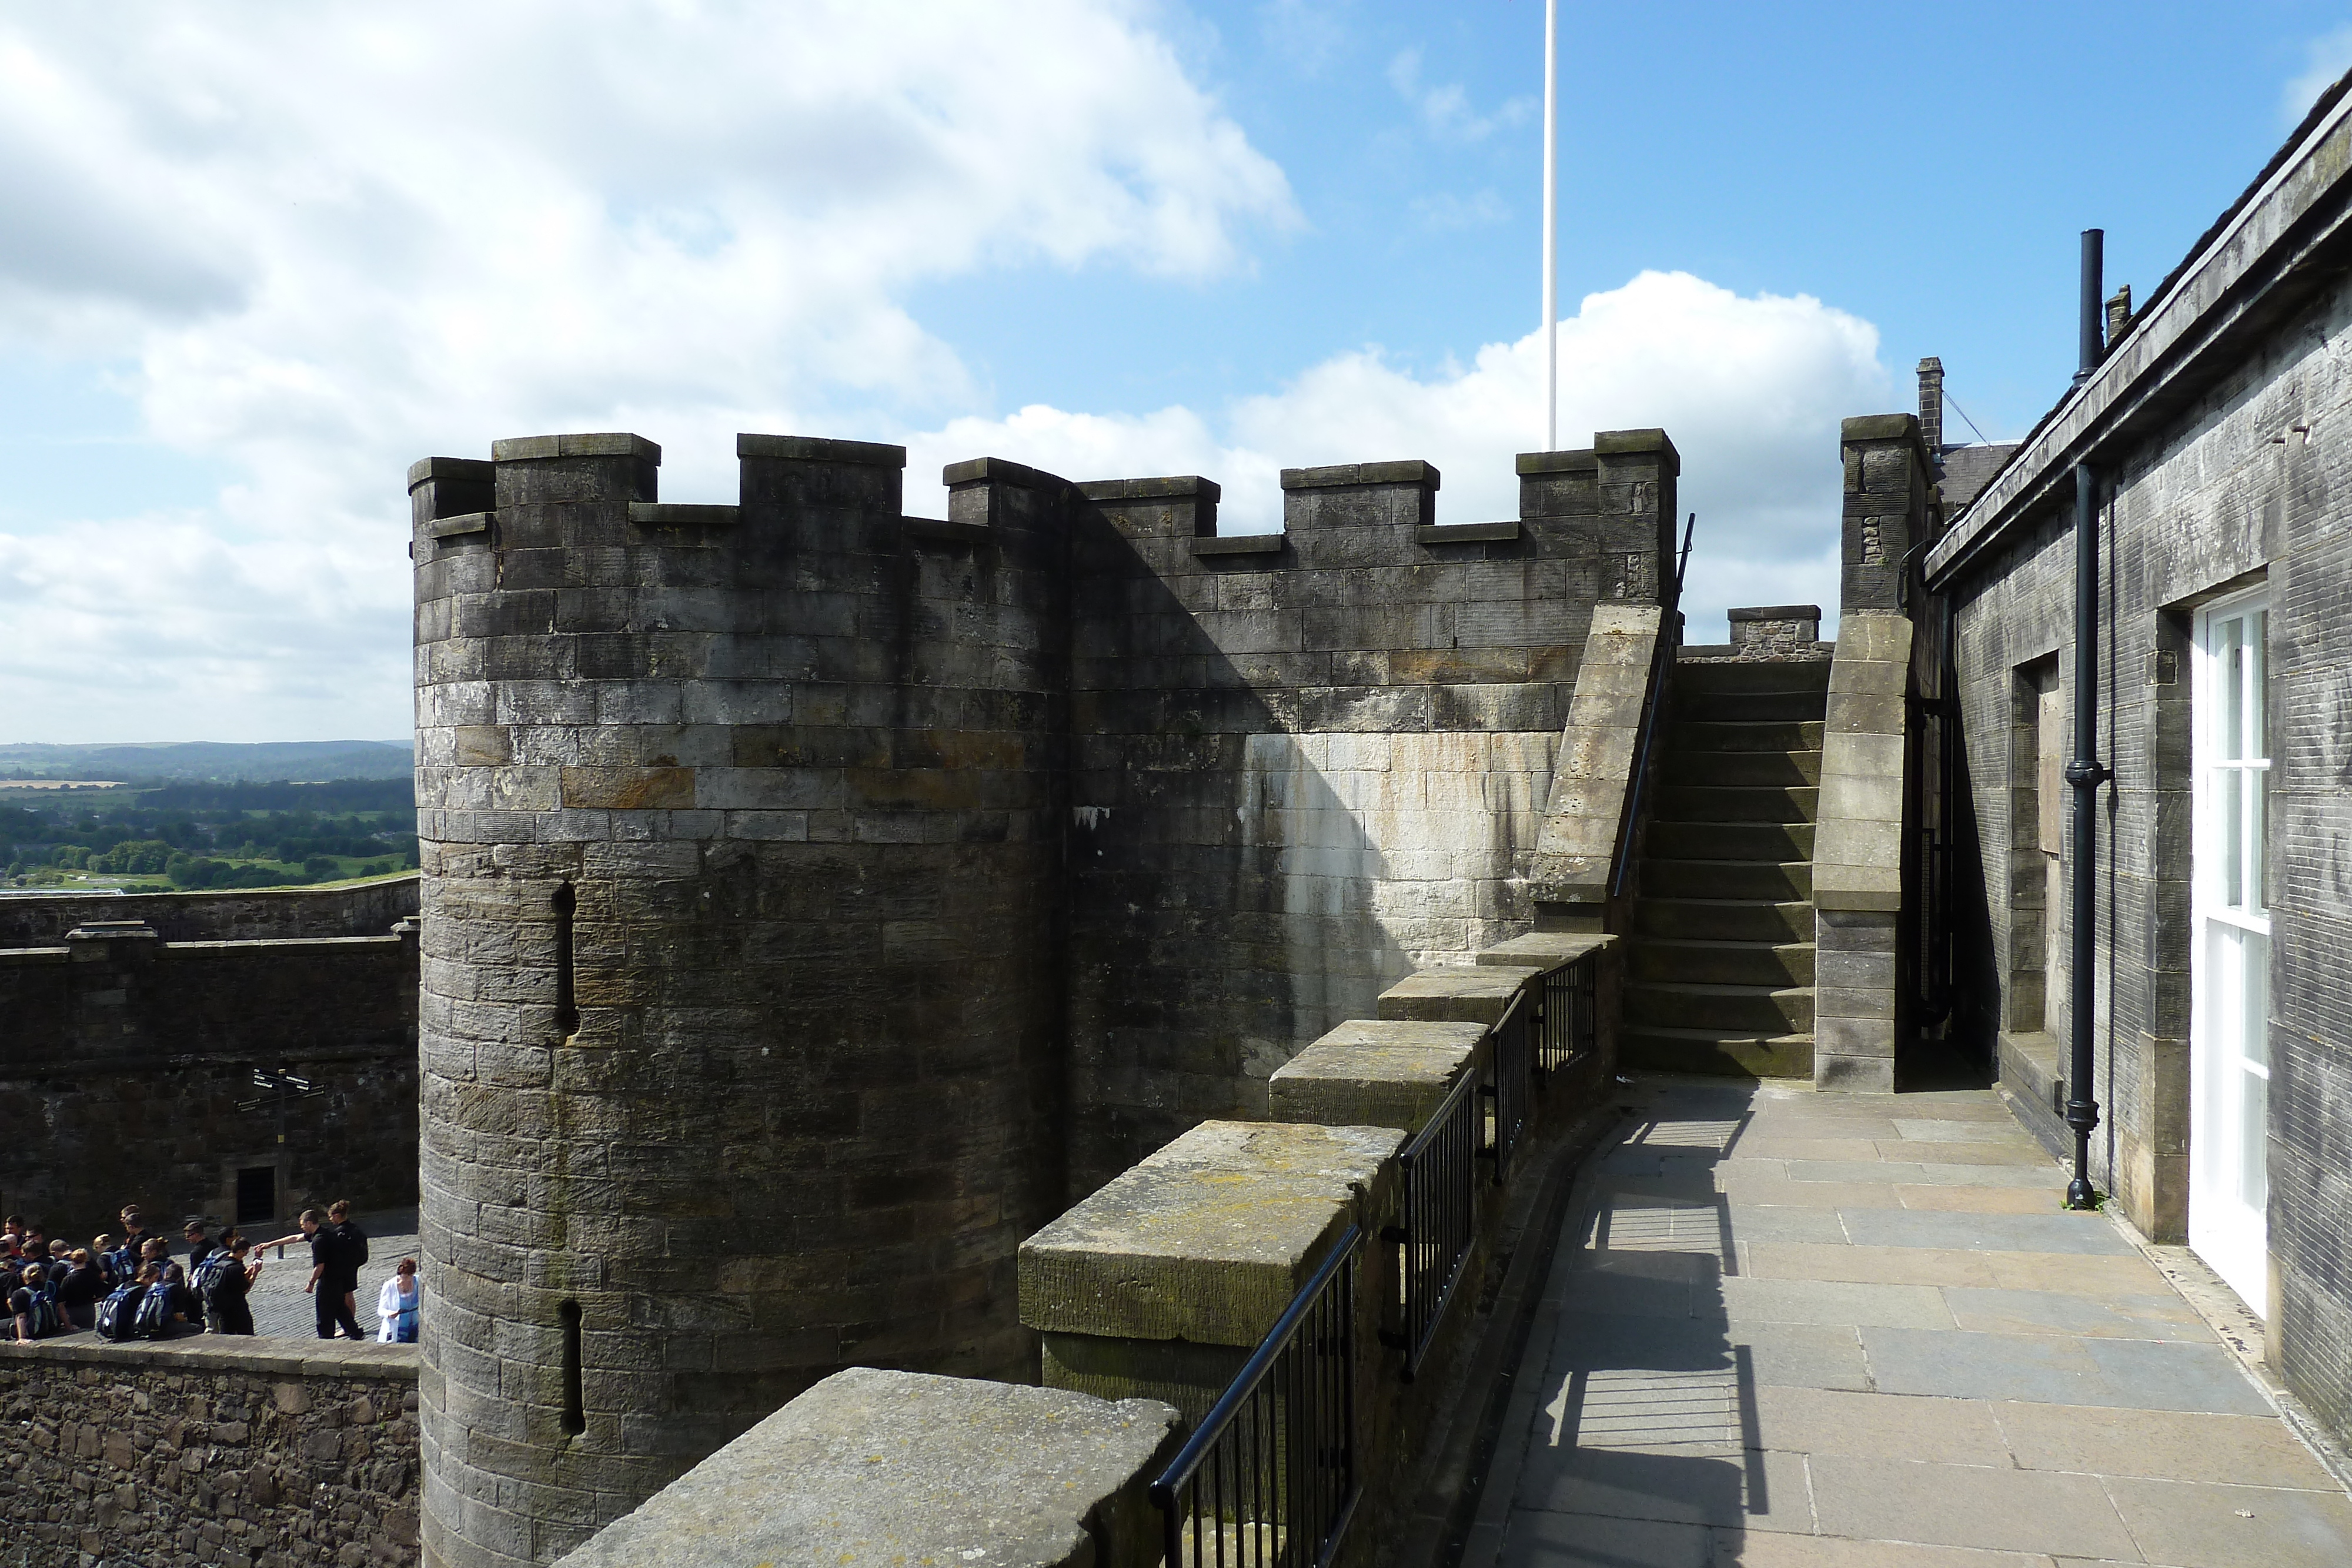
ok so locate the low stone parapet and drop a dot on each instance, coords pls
(1460, 993)
(1543, 950)
(872, 1467)
(1160, 1284)
(1377, 1072)
(257, 1453)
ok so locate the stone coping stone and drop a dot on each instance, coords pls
(1457, 993)
(593, 443)
(261, 1355)
(872, 1467)
(1544, 950)
(1376, 1072)
(1206, 1241)
(820, 449)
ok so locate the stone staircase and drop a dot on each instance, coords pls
(1719, 965)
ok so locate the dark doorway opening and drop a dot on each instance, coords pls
(257, 1195)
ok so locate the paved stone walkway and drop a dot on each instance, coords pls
(1858, 1332)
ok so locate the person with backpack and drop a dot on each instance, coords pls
(162, 1311)
(198, 1251)
(34, 1309)
(223, 1281)
(79, 1291)
(136, 1234)
(117, 1316)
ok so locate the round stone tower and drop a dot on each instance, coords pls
(740, 827)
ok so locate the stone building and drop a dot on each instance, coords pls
(817, 899)
(2214, 423)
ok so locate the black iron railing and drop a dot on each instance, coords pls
(1270, 1478)
(1512, 1084)
(1572, 1014)
(1440, 1213)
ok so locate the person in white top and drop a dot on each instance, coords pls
(395, 1304)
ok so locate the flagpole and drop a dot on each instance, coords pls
(1552, 226)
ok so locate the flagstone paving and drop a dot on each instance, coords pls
(1814, 1330)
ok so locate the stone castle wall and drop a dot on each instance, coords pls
(246, 914)
(816, 895)
(128, 1061)
(1310, 762)
(231, 1455)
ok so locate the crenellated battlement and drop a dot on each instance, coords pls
(816, 898)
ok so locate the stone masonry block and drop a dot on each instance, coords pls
(1853, 1074)
(1871, 635)
(901, 1466)
(1858, 842)
(1376, 1073)
(1855, 931)
(1854, 785)
(1866, 677)
(1543, 949)
(1209, 1238)
(1466, 993)
(1854, 1036)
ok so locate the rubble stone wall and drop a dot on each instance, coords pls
(205, 1451)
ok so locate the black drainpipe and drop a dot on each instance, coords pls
(2086, 773)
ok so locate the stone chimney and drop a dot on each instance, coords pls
(1931, 406)
(2119, 313)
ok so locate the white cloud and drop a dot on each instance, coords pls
(1445, 107)
(1750, 389)
(330, 241)
(2325, 59)
(333, 239)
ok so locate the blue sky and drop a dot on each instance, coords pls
(260, 257)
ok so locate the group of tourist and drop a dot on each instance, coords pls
(131, 1287)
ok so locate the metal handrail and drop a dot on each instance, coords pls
(1284, 1402)
(1570, 1014)
(1439, 1205)
(1662, 664)
(1511, 1084)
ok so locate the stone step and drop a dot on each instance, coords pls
(1737, 803)
(1719, 768)
(1758, 1008)
(1777, 965)
(1745, 734)
(1730, 840)
(1724, 920)
(1754, 675)
(1715, 1054)
(1749, 707)
(1766, 881)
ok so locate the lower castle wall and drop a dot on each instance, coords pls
(202, 1450)
(248, 914)
(127, 1061)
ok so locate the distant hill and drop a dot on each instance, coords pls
(211, 761)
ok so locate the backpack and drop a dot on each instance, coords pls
(154, 1317)
(45, 1320)
(208, 1275)
(115, 1313)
